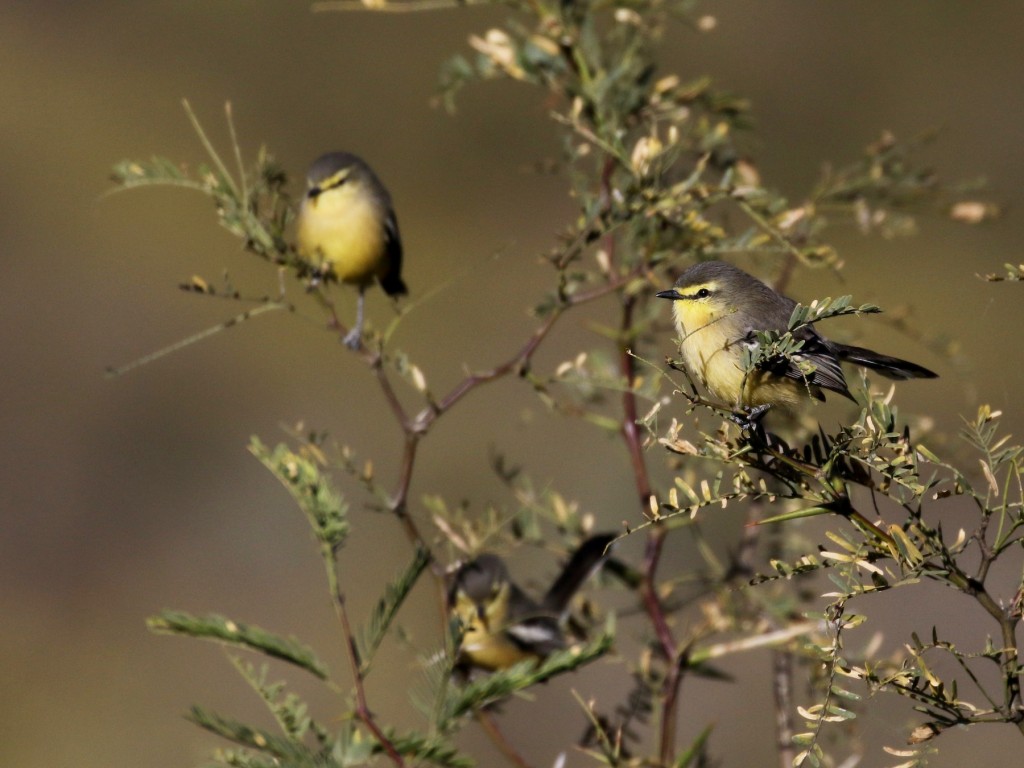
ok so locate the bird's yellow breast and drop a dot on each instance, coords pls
(712, 349)
(342, 231)
(709, 350)
(484, 642)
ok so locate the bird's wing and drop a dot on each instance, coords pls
(392, 282)
(816, 364)
(538, 634)
(532, 627)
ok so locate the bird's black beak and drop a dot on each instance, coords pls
(313, 193)
(672, 293)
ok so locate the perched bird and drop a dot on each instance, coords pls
(501, 624)
(718, 308)
(347, 230)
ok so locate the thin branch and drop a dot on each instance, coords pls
(417, 427)
(630, 428)
(666, 641)
(269, 306)
(376, 361)
(229, 114)
(382, 6)
(497, 738)
(208, 146)
(782, 690)
(362, 708)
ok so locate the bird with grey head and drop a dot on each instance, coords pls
(718, 310)
(347, 230)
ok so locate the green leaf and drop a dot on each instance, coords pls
(292, 755)
(432, 749)
(324, 506)
(158, 171)
(800, 513)
(214, 627)
(291, 712)
(693, 753)
(387, 607)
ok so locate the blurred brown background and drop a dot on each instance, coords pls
(123, 497)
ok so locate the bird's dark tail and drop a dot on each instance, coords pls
(890, 367)
(393, 284)
(582, 563)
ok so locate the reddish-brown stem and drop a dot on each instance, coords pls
(498, 739)
(362, 709)
(666, 642)
(471, 382)
(399, 501)
(786, 274)
(746, 553)
(630, 429)
(416, 427)
(656, 538)
(376, 362)
(655, 542)
(782, 690)
(522, 357)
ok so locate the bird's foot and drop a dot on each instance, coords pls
(754, 415)
(353, 339)
(316, 279)
(749, 419)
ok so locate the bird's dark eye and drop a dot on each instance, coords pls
(703, 293)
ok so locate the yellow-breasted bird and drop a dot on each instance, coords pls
(718, 308)
(347, 230)
(501, 624)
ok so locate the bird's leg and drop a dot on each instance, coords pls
(317, 276)
(754, 415)
(749, 419)
(354, 337)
